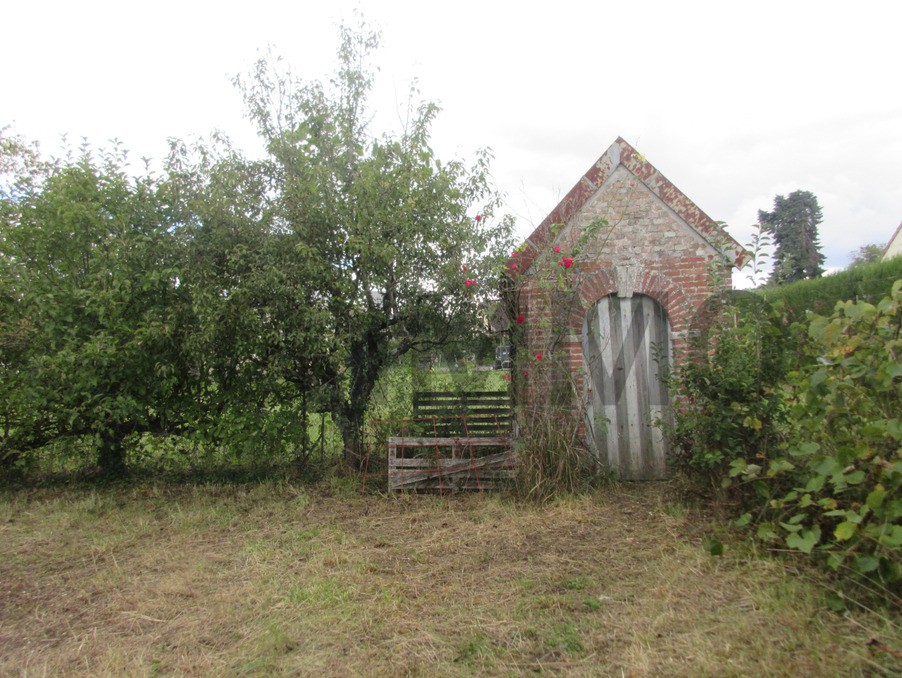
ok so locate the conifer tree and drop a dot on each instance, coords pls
(793, 225)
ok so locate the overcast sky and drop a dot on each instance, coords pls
(734, 102)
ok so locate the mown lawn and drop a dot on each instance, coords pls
(284, 579)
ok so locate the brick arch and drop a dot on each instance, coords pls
(651, 283)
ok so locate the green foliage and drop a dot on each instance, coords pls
(552, 457)
(801, 423)
(837, 489)
(256, 344)
(89, 288)
(381, 226)
(759, 247)
(866, 254)
(867, 282)
(230, 301)
(793, 224)
(729, 406)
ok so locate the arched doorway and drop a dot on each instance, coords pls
(627, 351)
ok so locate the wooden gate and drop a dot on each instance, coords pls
(626, 346)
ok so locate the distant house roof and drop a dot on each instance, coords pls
(894, 246)
(620, 153)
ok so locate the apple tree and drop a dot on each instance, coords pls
(387, 234)
(89, 341)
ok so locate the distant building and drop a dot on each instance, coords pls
(894, 246)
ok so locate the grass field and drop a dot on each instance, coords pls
(284, 579)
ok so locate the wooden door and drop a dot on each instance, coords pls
(626, 346)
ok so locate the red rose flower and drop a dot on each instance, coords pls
(556, 249)
(520, 319)
(463, 267)
(515, 253)
(567, 262)
(469, 282)
(513, 267)
(478, 217)
(538, 356)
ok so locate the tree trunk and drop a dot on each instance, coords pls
(368, 358)
(111, 455)
(9, 467)
(351, 425)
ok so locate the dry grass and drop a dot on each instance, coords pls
(275, 579)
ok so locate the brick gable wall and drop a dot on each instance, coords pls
(645, 247)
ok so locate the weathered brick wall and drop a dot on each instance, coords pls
(641, 247)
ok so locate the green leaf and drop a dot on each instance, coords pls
(845, 531)
(876, 497)
(713, 546)
(827, 467)
(766, 532)
(737, 467)
(865, 563)
(804, 541)
(855, 477)
(817, 378)
(779, 466)
(743, 520)
(752, 470)
(831, 333)
(816, 327)
(892, 536)
(815, 483)
(836, 602)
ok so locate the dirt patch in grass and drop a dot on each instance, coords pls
(278, 579)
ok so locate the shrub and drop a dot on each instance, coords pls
(836, 490)
(727, 400)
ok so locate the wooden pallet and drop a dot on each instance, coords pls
(463, 413)
(449, 463)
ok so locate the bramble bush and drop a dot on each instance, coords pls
(727, 398)
(801, 424)
(835, 492)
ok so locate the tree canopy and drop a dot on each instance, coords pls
(867, 254)
(226, 298)
(90, 343)
(383, 227)
(793, 224)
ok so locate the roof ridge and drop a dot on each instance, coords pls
(623, 153)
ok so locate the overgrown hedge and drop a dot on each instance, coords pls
(813, 454)
(834, 487)
(869, 282)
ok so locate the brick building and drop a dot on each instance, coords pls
(609, 288)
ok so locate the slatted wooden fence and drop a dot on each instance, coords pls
(464, 413)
